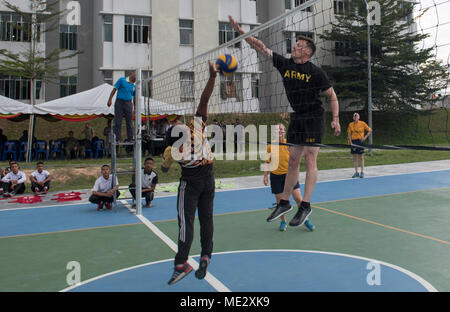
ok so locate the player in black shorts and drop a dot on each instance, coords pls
(303, 82)
(197, 186)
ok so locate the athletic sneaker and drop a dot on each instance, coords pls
(301, 216)
(180, 272)
(202, 268)
(356, 175)
(108, 206)
(281, 209)
(100, 206)
(6, 195)
(147, 203)
(362, 175)
(309, 225)
(283, 226)
(36, 191)
(45, 190)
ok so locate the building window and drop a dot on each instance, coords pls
(255, 86)
(186, 86)
(68, 37)
(287, 4)
(137, 29)
(108, 76)
(14, 27)
(231, 87)
(18, 88)
(107, 28)
(341, 48)
(67, 86)
(227, 33)
(341, 7)
(300, 2)
(186, 32)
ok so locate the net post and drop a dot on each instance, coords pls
(138, 143)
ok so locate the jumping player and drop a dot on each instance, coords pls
(196, 189)
(303, 82)
(278, 175)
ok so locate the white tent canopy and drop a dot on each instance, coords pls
(13, 107)
(94, 102)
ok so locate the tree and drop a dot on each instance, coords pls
(32, 62)
(404, 75)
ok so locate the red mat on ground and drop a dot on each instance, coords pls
(72, 196)
(26, 199)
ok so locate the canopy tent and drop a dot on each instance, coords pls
(13, 110)
(93, 103)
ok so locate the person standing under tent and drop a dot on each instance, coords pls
(303, 82)
(124, 105)
(196, 189)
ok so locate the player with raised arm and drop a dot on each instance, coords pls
(197, 186)
(303, 82)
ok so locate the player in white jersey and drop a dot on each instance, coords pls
(149, 181)
(14, 181)
(40, 179)
(103, 191)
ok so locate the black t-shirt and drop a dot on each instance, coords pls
(303, 84)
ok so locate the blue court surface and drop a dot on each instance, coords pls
(289, 269)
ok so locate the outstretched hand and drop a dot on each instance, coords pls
(235, 25)
(212, 70)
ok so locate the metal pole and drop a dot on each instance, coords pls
(138, 144)
(369, 78)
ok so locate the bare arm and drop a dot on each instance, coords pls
(334, 109)
(111, 96)
(256, 44)
(203, 106)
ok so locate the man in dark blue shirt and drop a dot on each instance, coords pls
(126, 98)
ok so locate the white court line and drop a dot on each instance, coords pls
(214, 282)
(414, 276)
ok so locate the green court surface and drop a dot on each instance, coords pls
(409, 230)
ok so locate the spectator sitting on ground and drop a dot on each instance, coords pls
(8, 169)
(14, 182)
(103, 191)
(40, 179)
(149, 181)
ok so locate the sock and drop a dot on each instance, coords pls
(284, 202)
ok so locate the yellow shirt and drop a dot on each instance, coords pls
(283, 158)
(356, 131)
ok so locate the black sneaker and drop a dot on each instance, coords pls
(180, 273)
(301, 216)
(202, 268)
(280, 209)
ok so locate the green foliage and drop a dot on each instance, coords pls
(404, 75)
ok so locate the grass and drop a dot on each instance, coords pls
(81, 174)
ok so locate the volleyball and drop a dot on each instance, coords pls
(226, 64)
